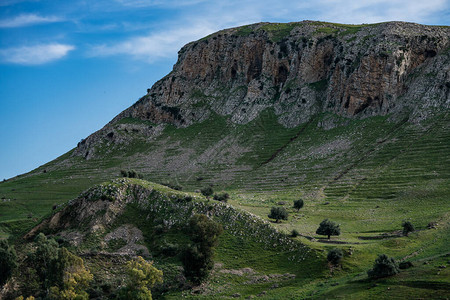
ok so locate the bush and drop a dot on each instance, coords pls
(174, 186)
(221, 197)
(405, 265)
(184, 199)
(142, 276)
(207, 191)
(384, 266)
(294, 233)
(131, 174)
(334, 256)
(197, 259)
(298, 204)
(328, 228)
(278, 213)
(8, 261)
(407, 227)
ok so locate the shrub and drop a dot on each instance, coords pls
(74, 277)
(197, 259)
(278, 213)
(207, 191)
(334, 256)
(407, 227)
(131, 174)
(8, 261)
(294, 233)
(174, 186)
(405, 265)
(328, 228)
(384, 266)
(142, 276)
(221, 197)
(298, 204)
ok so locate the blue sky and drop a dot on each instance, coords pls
(68, 67)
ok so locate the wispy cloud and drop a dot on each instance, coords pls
(165, 3)
(155, 45)
(204, 17)
(370, 11)
(35, 55)
(28, 20)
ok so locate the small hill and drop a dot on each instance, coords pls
(111, 222)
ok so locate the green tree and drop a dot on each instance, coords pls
(328, 228)
(142, 276)
(73, 276)
(298, 204)
(45, 260)
(8, 261)
(278, 213)
(384, 266)
(207, 191)
(198, 257)
(334, 256)
(407, 227)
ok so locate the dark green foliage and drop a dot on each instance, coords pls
(8, 261)
(328, 228)
(197, 259)
(384, 266)
(221, 197)
(334, 256)
(184, 199)
(294, 233)
(278, 213)
(174, 186)
(45, 261)
(298, 204)
(207, 191)
(405, 265)
(407, 227)
(131, 174)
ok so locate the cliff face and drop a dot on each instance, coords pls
(301, 69)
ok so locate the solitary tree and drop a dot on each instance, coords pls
(298, 204)
(278, 213)
(207, 191)
(334, 256)
(384, 266)
(407, 227)
(8, 261)
(198, 257)
(328, 228)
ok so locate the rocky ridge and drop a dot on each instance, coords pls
(298, 70)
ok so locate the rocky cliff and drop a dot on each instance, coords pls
(299, 70)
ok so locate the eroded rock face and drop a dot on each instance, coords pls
(299, 70)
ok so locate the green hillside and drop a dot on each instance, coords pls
(368, 176)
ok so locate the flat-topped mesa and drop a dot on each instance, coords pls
(300, 69)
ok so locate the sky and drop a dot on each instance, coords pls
(68, 67)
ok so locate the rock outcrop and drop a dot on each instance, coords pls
(299, 70)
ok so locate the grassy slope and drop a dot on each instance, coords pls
(368, 176)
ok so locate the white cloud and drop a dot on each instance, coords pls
(35, 55)
(197, 21)
(155, 45)
(27, 20)
(163, 3)
(372, 11)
